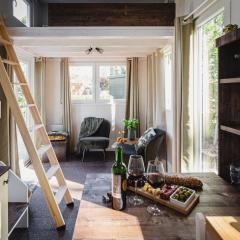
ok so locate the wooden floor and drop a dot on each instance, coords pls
(41, 225)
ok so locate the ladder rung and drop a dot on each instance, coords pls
(5, 42)
(37, 126)
(9, 62)
(29, 105)
(51, 171)
(20, 84)
(60, 193)
(43, 149)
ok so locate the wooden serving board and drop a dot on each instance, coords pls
(167, 203)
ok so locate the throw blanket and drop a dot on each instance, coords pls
(89, 126)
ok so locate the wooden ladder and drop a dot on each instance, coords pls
(34, 154)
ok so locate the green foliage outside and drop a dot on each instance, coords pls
(24, 20)
(211, 31)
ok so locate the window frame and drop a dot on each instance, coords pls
(96, 80)
(28, 20)
(198, 83)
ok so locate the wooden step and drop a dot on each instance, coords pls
(9, 62)
(229, 80)
(231, 129)
(29, 105)
(51, 171)
(18, 83)
(60, 193)
(43, 149)
(38, 126)
(4, 42)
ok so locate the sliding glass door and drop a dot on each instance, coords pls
(207, 93)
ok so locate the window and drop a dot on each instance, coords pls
(111, 82)
(207, 150)
(97, 82)
(21, 10)
(82, 82)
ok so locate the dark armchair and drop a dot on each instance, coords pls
(154, 148)
(97, 140)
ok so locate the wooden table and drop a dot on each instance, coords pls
(223, 228)
(96, 221)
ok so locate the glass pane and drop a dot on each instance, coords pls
(209, 74)
(81, 82)
(112, 80)
(21, 11)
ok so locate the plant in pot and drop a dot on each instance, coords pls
(131, 125)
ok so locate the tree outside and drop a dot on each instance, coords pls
(210, 32)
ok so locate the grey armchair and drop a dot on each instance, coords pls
(155, 148)
(97, 140)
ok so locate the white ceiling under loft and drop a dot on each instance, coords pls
(73, 41)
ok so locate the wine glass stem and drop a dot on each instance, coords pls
(135, 188)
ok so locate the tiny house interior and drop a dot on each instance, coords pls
(119, 119)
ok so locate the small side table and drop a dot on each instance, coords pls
(129, 142)
(59, 141)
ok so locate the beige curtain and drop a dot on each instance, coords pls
(66, 98)
(184, 95)
(39, 86)
(132, 96)
(155, 113)
(39, 90)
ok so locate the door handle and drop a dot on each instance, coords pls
(5, 182)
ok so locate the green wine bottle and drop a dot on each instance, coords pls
(119, 181)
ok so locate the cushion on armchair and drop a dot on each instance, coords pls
(95, 142)
(147, 137)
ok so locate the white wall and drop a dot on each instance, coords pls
(184, 7)
(235, 8)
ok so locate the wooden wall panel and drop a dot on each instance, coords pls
(111, 14)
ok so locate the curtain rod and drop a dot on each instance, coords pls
(201, 8)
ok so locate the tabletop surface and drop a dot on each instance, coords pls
(97, 221)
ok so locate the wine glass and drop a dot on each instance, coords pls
(155, 177)
(136, 170)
